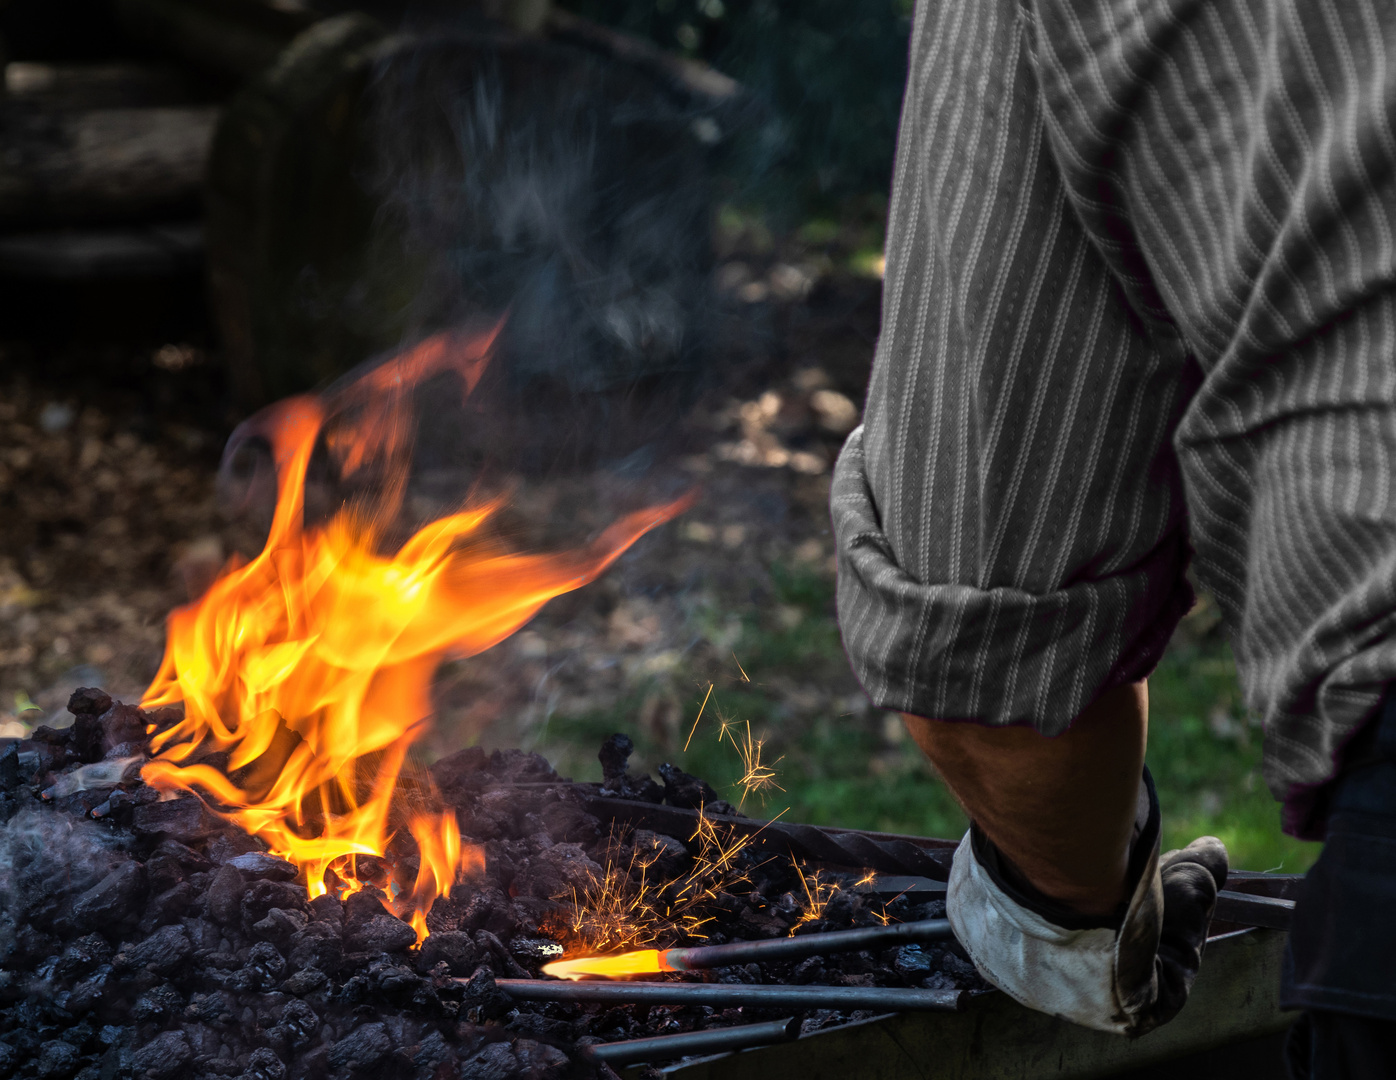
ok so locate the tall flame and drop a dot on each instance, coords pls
(305, 673)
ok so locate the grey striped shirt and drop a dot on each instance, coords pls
(1139, 296)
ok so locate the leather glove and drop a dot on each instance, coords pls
(1126, 973)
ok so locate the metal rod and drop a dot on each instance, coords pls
(1246, 909)
(727, 995)
(803, 945)
(712, 1041)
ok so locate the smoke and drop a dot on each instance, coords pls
(47, 860)
(565, 192)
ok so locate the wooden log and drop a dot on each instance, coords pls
(76, 87)
(101, 165)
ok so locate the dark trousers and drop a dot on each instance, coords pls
(1341, 964)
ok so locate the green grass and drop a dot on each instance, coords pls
(858, 769)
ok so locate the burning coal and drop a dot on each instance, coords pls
(305, 673)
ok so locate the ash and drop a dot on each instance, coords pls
(151, 939)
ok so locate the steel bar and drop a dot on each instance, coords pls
(803, 945)
(1247, 910)
(712, 1041)
(729, 995)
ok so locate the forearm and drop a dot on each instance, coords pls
(1061, 809)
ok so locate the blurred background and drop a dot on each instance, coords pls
(679, 205)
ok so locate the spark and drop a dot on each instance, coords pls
(818, 893)
(745, 676)
(869, 876)
(699, 716)
(757, 776)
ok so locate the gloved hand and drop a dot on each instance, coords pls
(1127, 973)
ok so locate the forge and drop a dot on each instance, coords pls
(149, 936)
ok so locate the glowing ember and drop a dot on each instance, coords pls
(305, 673)
(641, 962)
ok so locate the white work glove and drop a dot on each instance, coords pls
(1127, 974)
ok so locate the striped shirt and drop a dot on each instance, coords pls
(1138, 301)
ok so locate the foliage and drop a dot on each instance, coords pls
(826, 77)
(859, 770)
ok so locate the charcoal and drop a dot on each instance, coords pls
(279, 926)
(454, 948)
(481, 1000)
(614, 755)
(164, 1057)
(305, 981)
(264, 1065)
(382, 933)
(431, 1052)
(10, 773)
(684, 790)
(318, 945)
(229, 845)
(82, 956)
(261, 896)
(495, 1062)
(112, 901)
(58, 1060)
(88, 701)
(183, 819)
(225, 895)
(163, 872)
(168, 906)
(264, 968)
(186, 856)
(912, 962)
(255, 865)
(51, 735)
(489, 909)
(9, 1059)
(161, 1003)
(163, 951)
(121, 724)
(521, 767)
(539, 1060)
(361, 1049)
(300, 1022)
(362, 906)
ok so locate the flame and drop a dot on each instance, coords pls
(640, 962)
(305, 673)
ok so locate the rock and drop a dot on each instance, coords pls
(256, 865)
(382, 933)
(225, 895)
(163, 1058)
(185, 818)
(361, 1049)
(113, 900)
(163, 951)
(58, 1060)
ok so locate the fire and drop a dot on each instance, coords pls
(640, 962)
(305, 673)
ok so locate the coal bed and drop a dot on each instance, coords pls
(147, 937)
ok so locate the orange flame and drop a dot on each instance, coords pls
(640, 962)
(305, 673)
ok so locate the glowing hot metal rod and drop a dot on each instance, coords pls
(654, 961)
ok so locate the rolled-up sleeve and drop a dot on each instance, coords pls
(1010, 519)
(1141, 286)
